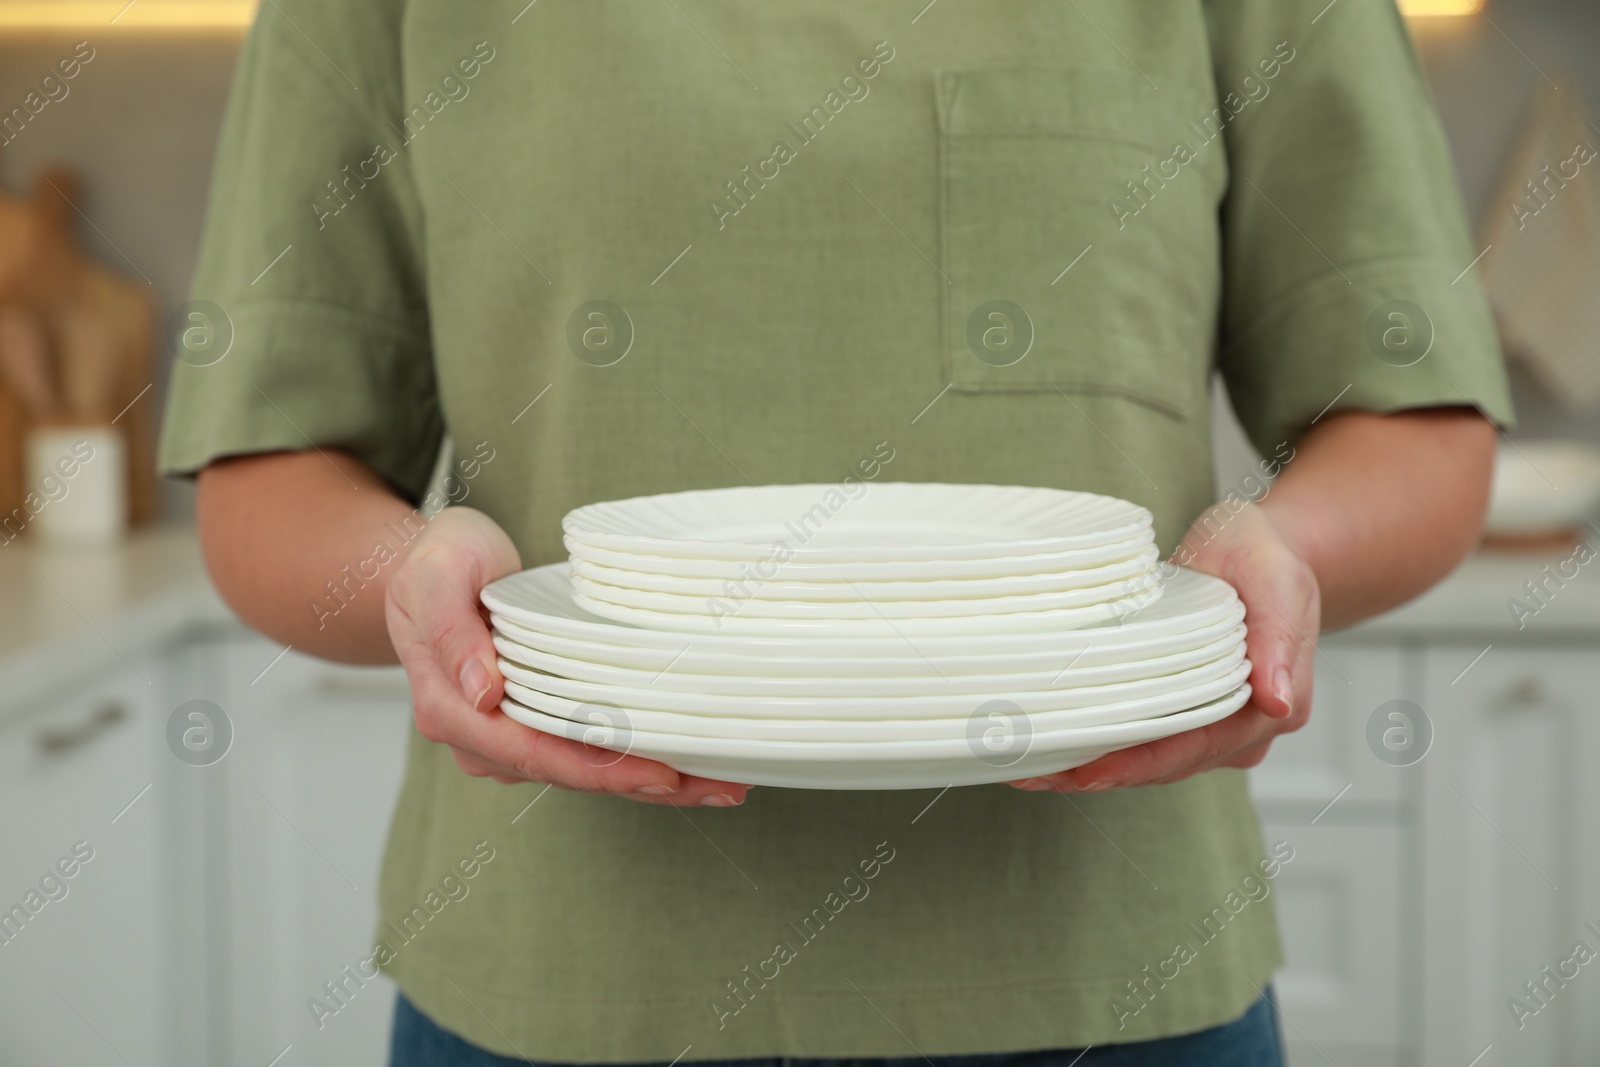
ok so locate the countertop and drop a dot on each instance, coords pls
(70, 612)
(65, 607)
(1475, 601)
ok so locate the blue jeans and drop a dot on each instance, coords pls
(1249, 1041)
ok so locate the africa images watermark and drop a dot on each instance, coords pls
(340, 990)
(1152, 978)
(452, 89)
(342, 592)
(52, 89)
(803, 528)
(1143, 189)
(1553, 577)
(1553, 979)
(1252, 489)
(53, 887)
(743, 989)
(851, 89)
(1541, 193)
(52, 489)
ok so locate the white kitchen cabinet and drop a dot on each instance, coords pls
(1340, 902)
(318, 752)
(86, 980)
(222, 897)
(1329, 757)
(1512, 874)
(1339, 908)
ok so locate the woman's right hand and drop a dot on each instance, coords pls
(441, 635)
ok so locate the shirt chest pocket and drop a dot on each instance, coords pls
(1078, 232)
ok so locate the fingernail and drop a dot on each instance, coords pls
(718, 800)
(1282, 690)
(474, 681)
(1032, 785)
(654, 790)
(1097, 787)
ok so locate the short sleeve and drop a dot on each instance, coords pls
(307, 325)
(1347, 258)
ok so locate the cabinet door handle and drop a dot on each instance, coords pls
(1526, 692)
(59, 740)
(351, 685)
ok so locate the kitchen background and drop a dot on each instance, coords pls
(1436, 886)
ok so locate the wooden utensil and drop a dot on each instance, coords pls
(76, 338)
(25, 361)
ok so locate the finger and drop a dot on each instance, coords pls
(580, 766)
(536, 756)
(1281, 614)
(434, 597)
(1169, 757)
(443, 641)
(691, 792)
(437, 596)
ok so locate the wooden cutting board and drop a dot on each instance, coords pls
(98, 333)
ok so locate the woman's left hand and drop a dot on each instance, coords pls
(1283, 611)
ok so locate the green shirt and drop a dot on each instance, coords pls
(624, 247)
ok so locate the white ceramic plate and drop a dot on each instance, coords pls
(977, 591)
(897, 570)
(922, 677)
(1109, 645)
(720, 609)
(930, 706)
(882, 521)
(809, 729)
(869, 765)
(873, 626)
(541, 601)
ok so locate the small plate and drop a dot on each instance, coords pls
(896, 570)
(858, 523)
(869, 708)
(1018, 588)
(541, 600)
(882, 765)
(922, 677)
(880, 626)
(715, 610)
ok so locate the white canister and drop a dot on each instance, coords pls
(77, 492)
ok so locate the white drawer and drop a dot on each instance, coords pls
(1331, 756)
(1339, 903)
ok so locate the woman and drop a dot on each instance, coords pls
(623, 247)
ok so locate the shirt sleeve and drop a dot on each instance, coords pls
(307, 324)
(1346, 252)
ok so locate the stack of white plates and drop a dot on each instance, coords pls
(868, 636)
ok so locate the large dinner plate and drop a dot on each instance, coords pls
(858, 522)
(921, 677)
(896, 570)
(928, 706)
(1104, 646)
(993, 755)
(541, 600)
(772, 583)
(938, 724)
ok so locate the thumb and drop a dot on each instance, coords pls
(462, 551)
(1281, 601)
